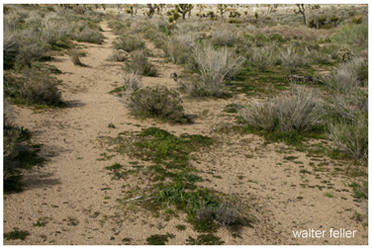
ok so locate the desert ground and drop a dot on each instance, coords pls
(75, 198)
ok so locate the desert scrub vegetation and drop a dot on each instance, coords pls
(34, 86)
(286, 118)
(17, 153)
(128, 42)
(172, 154)
(139, 64)
(158, 102)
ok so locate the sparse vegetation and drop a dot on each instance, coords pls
(265, 88)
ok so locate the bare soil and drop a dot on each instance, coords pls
(77, 195)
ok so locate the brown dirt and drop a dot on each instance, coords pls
(79, 197)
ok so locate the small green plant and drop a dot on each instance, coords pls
(205, 239)
(16, 235)
(111, 125)
(159, 239)
(181, 227)
(115, 166)
(360, 191)
(329, 195)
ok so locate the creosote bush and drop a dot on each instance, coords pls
(158, 102)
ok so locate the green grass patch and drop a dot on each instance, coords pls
(16, 235)
(205, 239)
(159, 239)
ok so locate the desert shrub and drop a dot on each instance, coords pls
(132, 82)
(54, 30)
(262, 58)
(352, 137)
(261, 115)
(158, 102)
(139, 64)
(34, 86)
(349, 75)
(118, 55)
(345, 54)
(224, 37)
(346, 107)
(75, 58)
(10, 138)
(118, 27)
(88, 34)
(299, 110)
(234, 20)
(128, 43)
(207, 85)
(225, 214)
(212, 61)
(10, 48)
(356, 35)
(357, 19)
(291, 59)
(178, 46)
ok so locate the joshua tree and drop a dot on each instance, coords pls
(222, 8)
(184, 9)
(301, 9)
(151, 11)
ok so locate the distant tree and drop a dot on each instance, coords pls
(301, 9)
(151, 11)
(184, 9)
(222, 8)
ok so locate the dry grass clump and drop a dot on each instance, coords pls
(212, 61)
(352, 138)
(299, 110)
(349, 75)
(225, 214)
(158, 102)
(262, 57)
(203, 86)
(132, 82)
(291, 59)
(129, 42)
(11, 47)
(139, 64)
(118, 55)
(224, 37)
(75, 58)
(178, 46)
(54, 30)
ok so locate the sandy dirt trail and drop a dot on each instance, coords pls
(76, 197)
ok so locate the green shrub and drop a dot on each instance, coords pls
(128, 43)
(158, 102)
(355, 35)
(357, 19)
(139, 64)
